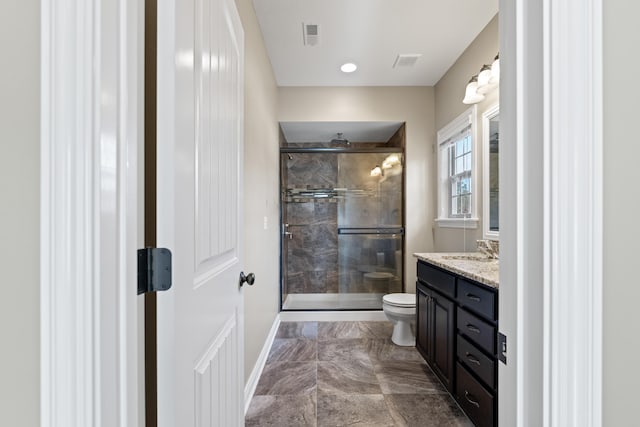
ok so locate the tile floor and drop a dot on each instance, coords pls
(348, 374)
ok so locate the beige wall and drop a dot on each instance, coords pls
(261, 181)
(449, 92)
(622, 203)
(20, 213)
(413, 105)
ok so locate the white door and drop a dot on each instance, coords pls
(200, 110)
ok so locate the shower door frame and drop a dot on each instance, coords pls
(338, 150)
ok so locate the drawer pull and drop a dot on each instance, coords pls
(472, 358)
(473, 328)
(473, 297)
(473, 402)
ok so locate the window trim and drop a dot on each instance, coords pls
(457, 125)
(489, 114)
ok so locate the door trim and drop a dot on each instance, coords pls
(574, 212)
(88, 230)
(551, 108)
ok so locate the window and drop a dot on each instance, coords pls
(456, 171)
(460, 176)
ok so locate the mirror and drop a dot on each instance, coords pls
(490, 168)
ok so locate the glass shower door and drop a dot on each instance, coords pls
(370, 230)
(342, 230)
(370, 265)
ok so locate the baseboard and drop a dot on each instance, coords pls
(332, 316)
(252, 383)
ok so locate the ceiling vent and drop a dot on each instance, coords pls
(310, 34)
(406, 60)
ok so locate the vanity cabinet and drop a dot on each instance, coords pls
(457, 335)
(435, 332)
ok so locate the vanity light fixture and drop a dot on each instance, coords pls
(349, 67)
(495, 70)
(390, 161)
(471, 95)
(483, 76)
(484, 82)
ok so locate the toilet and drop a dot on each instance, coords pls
(377, 282)
(401, 310)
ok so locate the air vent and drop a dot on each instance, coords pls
(406, 60)
(310, 34)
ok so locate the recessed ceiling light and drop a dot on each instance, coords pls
(348, 67)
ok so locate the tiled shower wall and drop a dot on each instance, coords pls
(312, 253)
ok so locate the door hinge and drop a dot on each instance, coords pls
(154, 270)
(502, 348)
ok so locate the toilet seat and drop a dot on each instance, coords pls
(400, 300)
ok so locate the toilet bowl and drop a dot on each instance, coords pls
(377, 282)
(401, 310)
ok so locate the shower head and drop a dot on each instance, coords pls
(340, 139)
(289, 156)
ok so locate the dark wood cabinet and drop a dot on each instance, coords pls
(456, 334)
(436, 332)
(423, 312)
(478, 402)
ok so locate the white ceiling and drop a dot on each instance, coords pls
(326, 131)
(370, 33)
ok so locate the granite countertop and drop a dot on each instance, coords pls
(472, 265)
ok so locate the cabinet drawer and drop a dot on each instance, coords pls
(477, 330)
(477, 299)
(474, 399)
(481, 365)
(437, 279)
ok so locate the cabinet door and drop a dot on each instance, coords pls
(424, 313)
(443, 339)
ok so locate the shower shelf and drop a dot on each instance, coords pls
(301, 195)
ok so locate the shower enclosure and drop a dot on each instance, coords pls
(342, 227)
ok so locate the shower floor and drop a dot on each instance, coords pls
(350, 301)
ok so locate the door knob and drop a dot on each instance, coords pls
(249, 278)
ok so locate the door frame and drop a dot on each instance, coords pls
(551, 179)
(71, 392)
(90, 136)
